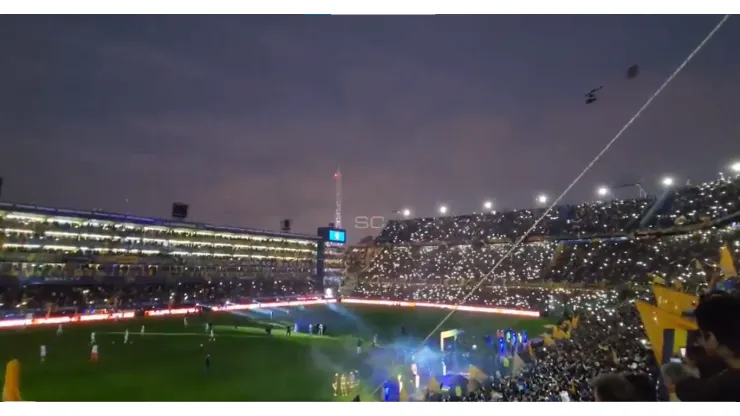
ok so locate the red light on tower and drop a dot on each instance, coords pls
(336, 175)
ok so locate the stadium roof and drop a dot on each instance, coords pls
(144, 221)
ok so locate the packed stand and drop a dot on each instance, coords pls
(86, 298)
(699, 204)
(707, 202)
(450, 271)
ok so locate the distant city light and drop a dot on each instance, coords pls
(443, 210)
(602, 191)
(488, 205)
(735, 167)
(667, 182)
(406, 213)
(542, 199)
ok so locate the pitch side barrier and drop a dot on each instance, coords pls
(130, 314)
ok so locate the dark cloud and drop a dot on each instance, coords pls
(247, 117)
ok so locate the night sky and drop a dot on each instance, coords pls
(247, 117)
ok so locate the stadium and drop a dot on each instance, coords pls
(107, 307)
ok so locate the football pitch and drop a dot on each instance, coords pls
(167, 363)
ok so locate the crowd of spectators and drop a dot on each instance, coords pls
(686, 205)
(446, 272)
(608, 342)
(82, 298)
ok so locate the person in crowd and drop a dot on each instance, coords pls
(610, 387)
(719, 330)
(674, 373)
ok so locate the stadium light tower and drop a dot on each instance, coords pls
(602, 191)
(443, 209)
(488, 205)
(542, 199)
(338, 212)
(667, 181)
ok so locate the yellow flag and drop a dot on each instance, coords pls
(558, 333)
(433, 386)
(726, 263)
(656, 279)
(656, 321)
(673, 301)
(476, 373)
(574, 321)
(403, 396)
(547, 340)
(473, 385)
(12, 386)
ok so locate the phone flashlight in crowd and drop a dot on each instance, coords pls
(683, 352)
(676, 360)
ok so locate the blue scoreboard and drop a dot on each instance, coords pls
(333, 235)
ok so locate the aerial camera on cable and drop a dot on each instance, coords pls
(632, 73)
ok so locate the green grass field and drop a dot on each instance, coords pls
(167, 363)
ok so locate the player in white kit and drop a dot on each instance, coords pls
(42, 352)
(213, 336)
(143, 329)
(125, 337)
(94, 353)
(59, 329)
(92, 338)
(321, 329)
(185, 321)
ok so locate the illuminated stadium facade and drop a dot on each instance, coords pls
(59, 246)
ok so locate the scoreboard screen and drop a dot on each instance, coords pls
(334, 235)
(337, 236)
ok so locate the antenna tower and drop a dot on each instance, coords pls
(338, 212)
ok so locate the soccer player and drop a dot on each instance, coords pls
(208, 362)
(125, 337)
(185, 321)
(310, 329)
(287, 330)
(321, 329)
(59, 330)
(375, 340)
(295, 327)
(42, 352)
(94, 353)
(92, 338)
(213, 336)
(143, 329)
(359, 346)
